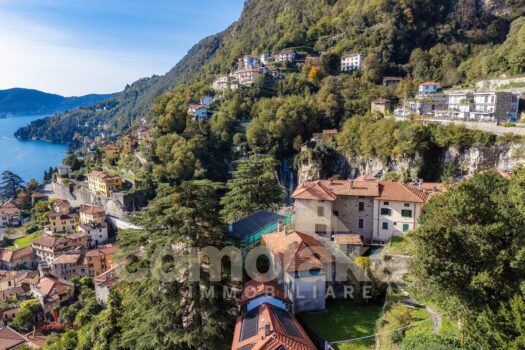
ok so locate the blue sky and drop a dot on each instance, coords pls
(75, 47)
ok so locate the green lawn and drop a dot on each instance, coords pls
(24, 241)
(399, 246)
(343, 320)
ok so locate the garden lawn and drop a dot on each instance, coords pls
(399, 246)
(24, 241)
(344, 320)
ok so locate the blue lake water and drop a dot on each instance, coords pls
(29, 159)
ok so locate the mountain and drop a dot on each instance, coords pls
(445, 40)
(27, 101)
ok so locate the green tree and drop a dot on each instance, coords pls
(470, 242)
(186, 218)
(27, 316)
(9, 184)
(33, 186)
(254, 187)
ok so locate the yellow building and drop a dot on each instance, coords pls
(62, 222)
(128, 143)
(102, 183)
(111, 151)
(92, 215)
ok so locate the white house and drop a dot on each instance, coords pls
(250, 62)
(225, 82)
(285, 56)
(265, 58)
(428, 87)
(397, 209)
(460, 104)
(198, 111)
(351, 62)
(496, 106)
(97, 233)
(246, 77)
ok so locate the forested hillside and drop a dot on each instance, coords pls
(27, 101)
(446, 40)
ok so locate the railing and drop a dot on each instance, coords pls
(255, 237)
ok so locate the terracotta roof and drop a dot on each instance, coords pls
(92, 210)
(13, 292)
(22, 252)
(195, 106)
(330, 132)
(49, 241)
(68, 258)
(254, 289)
(400, 192)
(352, 187)
(366, 178)
(429, 83)
(297, 251)
(270, 328)
(313, 191)
(50, 285)
(77, 235)
(10, 339)
(10, 209)
(348, 239)
(108, 278)
(102, 175)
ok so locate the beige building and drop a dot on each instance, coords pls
(48, 248)
(397, 209)
(128, 144)
(60, 223)
(381, 105)
(16, 259)
(111, 151)
(102, 183)
(92, 215)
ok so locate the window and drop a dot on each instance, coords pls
(361, 223)
(320, 211)
(406, 227)
(336, 212)
(361, 206)
(385, 225)
(386, 211)
(406, 213)
(407, 205)
(320, 229)
(386, 203)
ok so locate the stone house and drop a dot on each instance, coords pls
(52, 292)
(381, 105)
(16, 259)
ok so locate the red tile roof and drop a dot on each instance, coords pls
(274, 329)
(313, 191)
(92, 210)
(108, 278)
(297, 251)
(400, 192)
(429, 83)
(348, 239)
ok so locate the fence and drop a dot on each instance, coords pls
(255, 237)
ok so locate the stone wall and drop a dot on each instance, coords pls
(117, 204)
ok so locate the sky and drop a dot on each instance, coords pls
(77, 47)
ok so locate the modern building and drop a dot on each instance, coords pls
(351, 62)
(285, 56)
(428, 87)
(496, 106)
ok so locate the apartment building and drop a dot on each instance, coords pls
(351, 62)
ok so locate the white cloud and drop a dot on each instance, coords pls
(51, 59)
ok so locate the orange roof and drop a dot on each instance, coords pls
(330, 131)
(297, 251)
(254, 289)
(270, 328)
(108, 278)
(352, 188)
(313, 191)
(68, 258)
(49, 241)
(102, 175)
(429, 83)
(49, 284)
(400, 192)
(366, 178)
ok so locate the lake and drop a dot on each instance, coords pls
(29, 159)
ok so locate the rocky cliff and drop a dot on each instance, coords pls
(319, 161)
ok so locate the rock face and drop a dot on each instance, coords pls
(321, 162)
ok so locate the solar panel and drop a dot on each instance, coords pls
(250, 324)
(287, 322)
